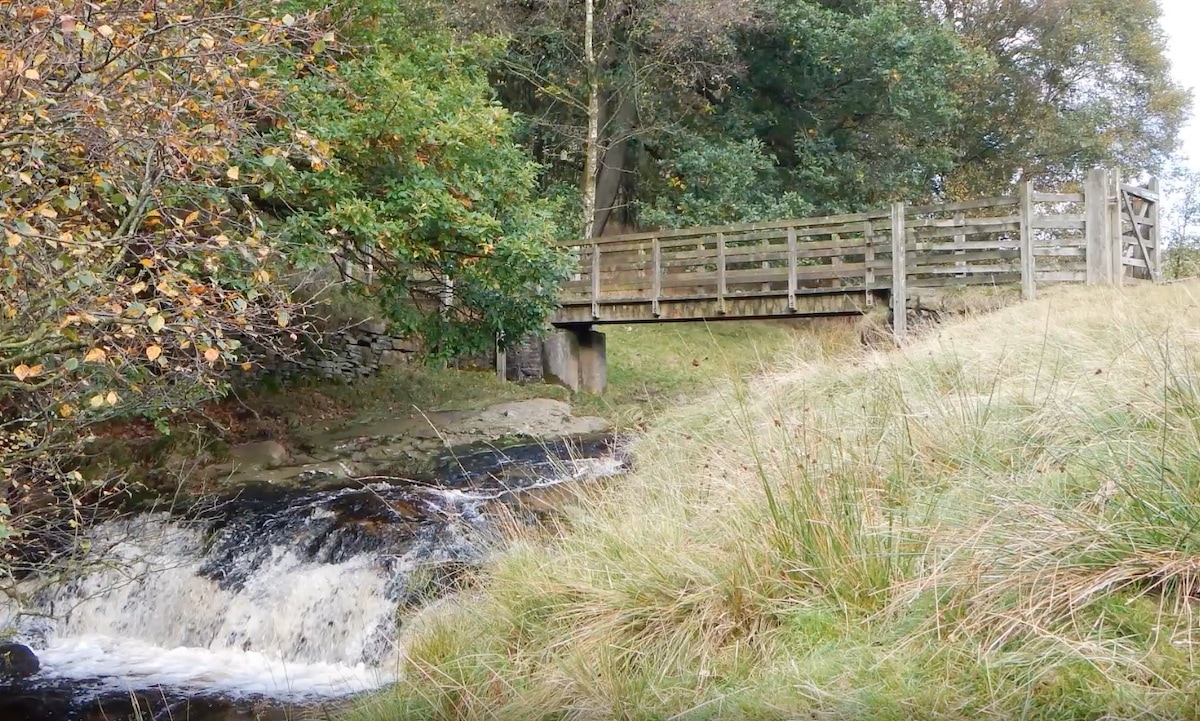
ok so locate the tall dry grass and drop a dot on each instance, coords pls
(1003, 520)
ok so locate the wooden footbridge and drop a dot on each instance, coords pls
(845, 264)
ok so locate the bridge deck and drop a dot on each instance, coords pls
(841, 264)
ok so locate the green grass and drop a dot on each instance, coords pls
(656, 368)
(999, 522)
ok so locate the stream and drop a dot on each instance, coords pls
(276, 599)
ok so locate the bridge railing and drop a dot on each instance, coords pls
(837, 264)
(784, 260)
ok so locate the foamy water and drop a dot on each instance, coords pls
(125, 663)
(290, 597)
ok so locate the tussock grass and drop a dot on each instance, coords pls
(1001, 521)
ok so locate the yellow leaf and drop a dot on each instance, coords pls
(35, 370)
(111, 398)
(32, 74)
(138, 287)
(147, 262)
(95, 355)
(185, 344)
(65, 410)
(156, 323)
(105, 31)
(153, 352)
(96, 401)
(13, 240)
(233, 173)
(246, 366)
(47, 212)
(21, 372)
(191, 217)
(211, 355)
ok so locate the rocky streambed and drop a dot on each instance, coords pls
(293, 587)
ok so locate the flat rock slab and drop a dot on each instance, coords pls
(259, 456)
(406, 444)
(538, 418)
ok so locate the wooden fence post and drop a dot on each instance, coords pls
(899, 275)
(791, 251)
(869, 262)
(1028, 269)
(1116, 230)
(1095, 201)
(446, 297)
(656, 247)
(501, 360)
(721, 288)
(595, 280)
(1155, 235)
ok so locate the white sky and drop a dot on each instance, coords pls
(1181, 19)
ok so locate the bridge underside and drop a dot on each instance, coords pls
(740, 307)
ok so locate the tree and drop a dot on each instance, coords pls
(710, 181)
(423, 183)
(856, 106)
(135, 274)
(618, 71)
(1073, 84)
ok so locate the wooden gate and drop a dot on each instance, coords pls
(1137, 227)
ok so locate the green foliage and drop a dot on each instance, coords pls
(424, 186)
(857, 106)
(716, 182)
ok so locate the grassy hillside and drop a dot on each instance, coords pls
(1002, 521)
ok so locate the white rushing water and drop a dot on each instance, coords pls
(127, 663)
(290, 599)
(148, 616)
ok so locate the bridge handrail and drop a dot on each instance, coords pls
(1107, 232)
(730, 229)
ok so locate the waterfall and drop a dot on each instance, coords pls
(279, 593)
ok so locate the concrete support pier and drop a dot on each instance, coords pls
(575, 357)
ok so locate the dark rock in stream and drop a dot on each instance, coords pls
(94, 701)
(17, 661)
(515, 464)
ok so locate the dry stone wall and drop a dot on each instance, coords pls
(355, 352)
(371, 346)
(523, 361)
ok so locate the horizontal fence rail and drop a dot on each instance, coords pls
(843, 264)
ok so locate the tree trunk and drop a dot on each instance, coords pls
(591, 147)
(616, 162)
